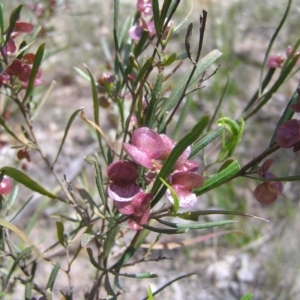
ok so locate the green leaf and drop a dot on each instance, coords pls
(219, 178)
(140, 275)
(174, 196)
(18, 232)
(28, 182)
(145, 67)
(194, 215)
(60, 233)
(179, 148)
(110, 241)
(265, 82)
(35, 68)
(288, 6)
(156, 16)
(93, 261)
(230, 141)
(28, 288)
(86, 197)
(278, 83)
(116, 14)
(66, 133)
(138, 239)
(120, 105)
(188, 216)
(205, 140)
(169, 283)
(140, 47)
(152, 108)
(96, 111)
(1, 26)
(99, 180)
(15, 15)
(82, 74)
(247, 297)
(291, 56)
(166, 230)
(164, 12)
(20, 256)
(169, 60)
(286, 115)
(284, 178)
(53, 276)
(149, 292)
(3, 124)
(196, 226)
(176, 94)
(108, 288)
(182, 117)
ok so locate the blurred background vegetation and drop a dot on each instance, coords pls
(264, 260)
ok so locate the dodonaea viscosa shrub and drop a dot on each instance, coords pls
(142, 175)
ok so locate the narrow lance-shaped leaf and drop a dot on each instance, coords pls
(99, 182)
(151, 111)
(265, 82)
(145, 67)
(182, 117)
(179, 148)
(230, 142)
(12, 22)
(23, 236)
(175, 206)
(93, 261)
(163, 15)
(291, 56)
(4, 125)
(28, 182)
(149, 293)
(218, 106)
(53, 276)
(166, 230)
(108, 288)
(66, 133)
(60, 233)
(20, 256)
(272, 41)
(176, 94)
(286, 115)
(140, 47)
(27, 292)
(169, 60)
(207, 139)
(140, 275)
(156, 15)
(139, 238)
(1, 24)
(268, 95)
(219, 178)
(109, 242)
(96, 111)
(116, 42)
(82, 74)
(116, 13)
(196, 226)
(194, 215)
(247, 297)
(169, 283)
(35, 68)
